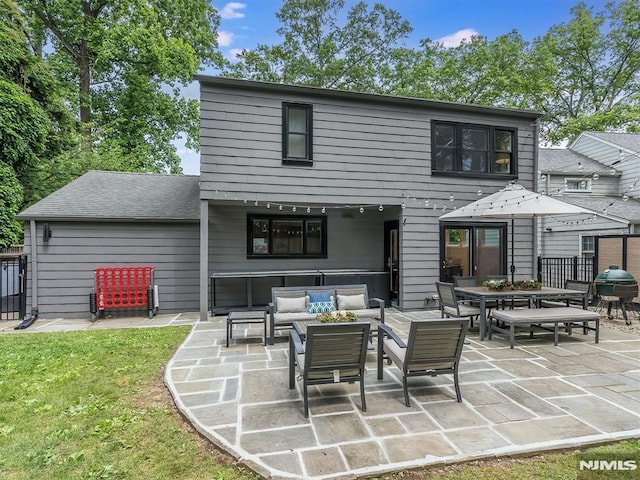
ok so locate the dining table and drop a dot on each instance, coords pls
(482, 295)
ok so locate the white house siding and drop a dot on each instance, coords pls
(366, 151)
(67, 262)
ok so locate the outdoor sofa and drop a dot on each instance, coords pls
(289, 304)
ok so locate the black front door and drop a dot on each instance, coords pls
(392, 257)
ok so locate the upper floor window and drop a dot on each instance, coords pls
(577, 185)
(286, 236)
(473, 149)
(297, 132)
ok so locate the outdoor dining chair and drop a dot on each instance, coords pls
(450, 306)
(433, 348)
(472, 281)
(329, 353)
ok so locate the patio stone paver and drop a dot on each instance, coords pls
(474, 440)
(541, 430)
(344, 427)
(535, 397)
(363, 455)
(599, 413)
(411, 448)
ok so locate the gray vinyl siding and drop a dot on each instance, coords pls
(564, 238)
(604, 185)
(628, 165)
(67, 262)
(364, 153)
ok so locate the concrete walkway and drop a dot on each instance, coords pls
(533, 398)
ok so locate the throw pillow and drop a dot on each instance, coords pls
(321, 306)
(291, 305)
(319, 297)
(351, 302)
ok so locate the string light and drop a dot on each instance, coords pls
(361, 209)
(380, 208)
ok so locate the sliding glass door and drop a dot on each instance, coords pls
(469, 249)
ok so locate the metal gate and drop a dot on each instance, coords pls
(13, 283)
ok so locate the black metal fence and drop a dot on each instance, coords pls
(13, 281)
(553, 271)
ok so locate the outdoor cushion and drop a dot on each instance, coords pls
(291, 305)
(351, 302)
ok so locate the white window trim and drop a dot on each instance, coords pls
(587, 189)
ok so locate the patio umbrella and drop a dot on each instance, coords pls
(515, 201)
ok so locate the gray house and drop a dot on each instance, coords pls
(599, 171)
(297, 185)
(302, 179)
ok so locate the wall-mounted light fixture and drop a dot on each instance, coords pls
(46, 232)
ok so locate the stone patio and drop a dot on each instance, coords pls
(533, 398)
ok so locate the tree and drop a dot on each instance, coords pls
(594, 72)
(479, 71)
(34, 123)
(317, 50)
(123, 63)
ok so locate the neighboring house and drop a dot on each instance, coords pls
(113, 219)
(293, 180)
(598, 171)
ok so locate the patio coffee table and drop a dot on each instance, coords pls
(247, 316)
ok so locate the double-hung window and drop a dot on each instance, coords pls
(286, 236)
(473, 149)
(297, 133)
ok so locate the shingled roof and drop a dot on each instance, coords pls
(108, 196)
(625, 211)
(562, 160)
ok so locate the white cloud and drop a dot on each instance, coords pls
(230, 10)
(455, 39)
(225, 38)
(233, 53)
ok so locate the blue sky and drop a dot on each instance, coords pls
(245, 24)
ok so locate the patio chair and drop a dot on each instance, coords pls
(450, 306)
(330, 353)
(472, 281)
(433, 348)
(581, 285)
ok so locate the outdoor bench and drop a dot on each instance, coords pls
(289, 304)
(539, 317)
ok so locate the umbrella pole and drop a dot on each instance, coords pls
(513, 265)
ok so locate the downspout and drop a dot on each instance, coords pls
(34, 264)
(33, 316)
(537, 223)
(204, 259)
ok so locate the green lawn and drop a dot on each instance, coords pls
(92, 405)
(85, 405)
